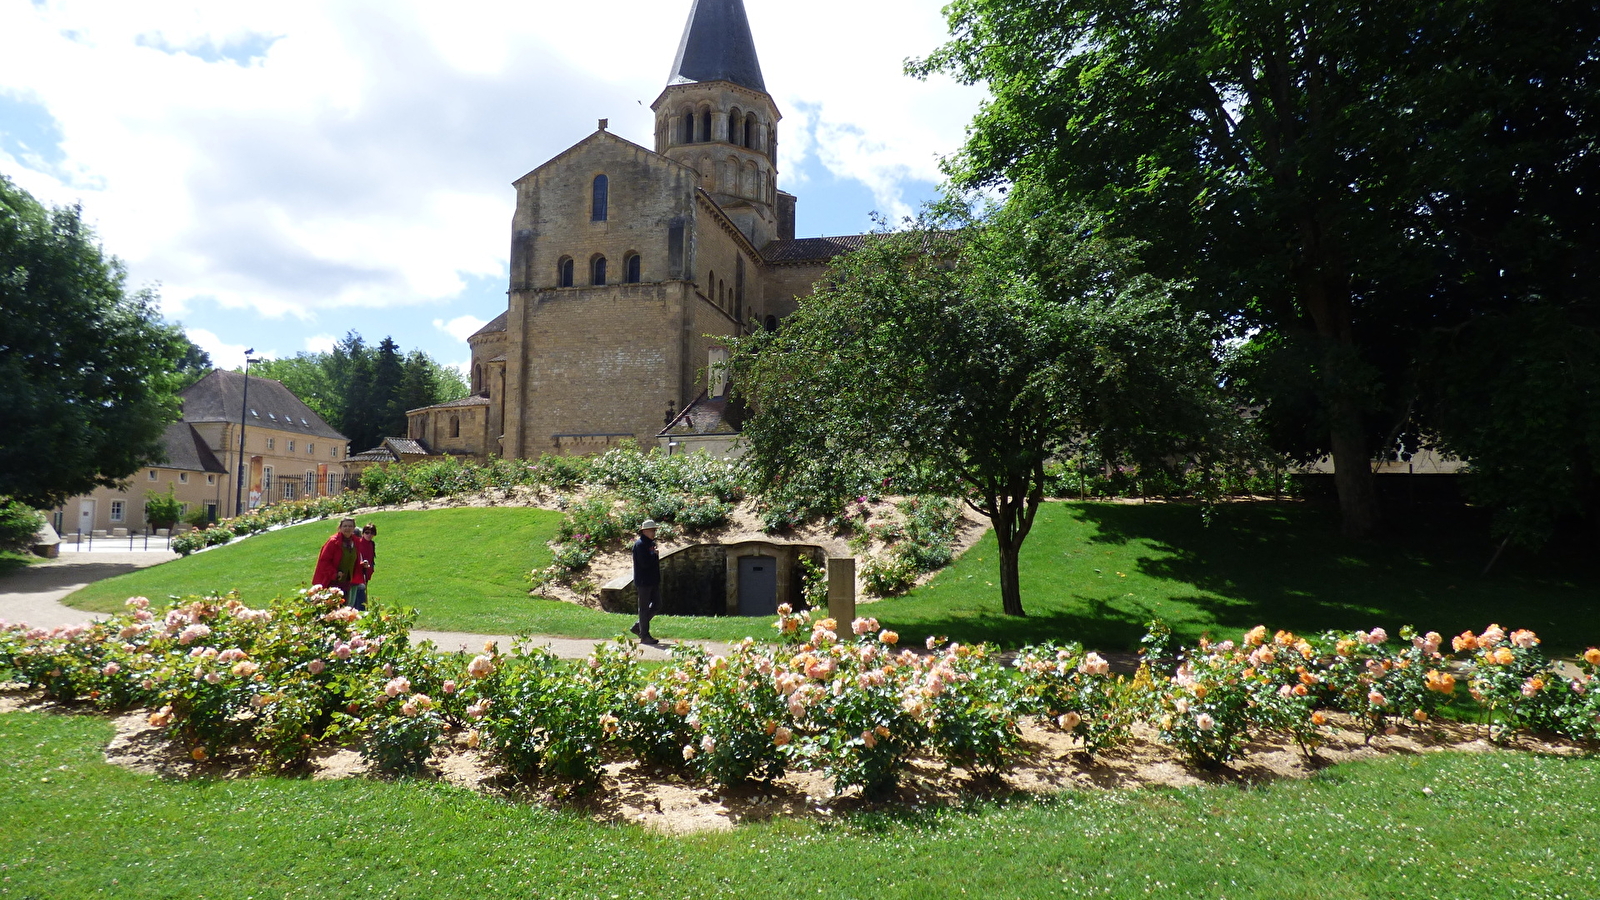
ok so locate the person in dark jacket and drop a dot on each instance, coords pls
(646, 580)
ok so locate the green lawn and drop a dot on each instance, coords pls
(10, 562)
(1093, 572)
(464, 569)
(1096, 572)
(1500, 825)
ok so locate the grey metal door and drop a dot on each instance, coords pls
(758, 586)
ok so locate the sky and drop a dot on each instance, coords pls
(284, 173)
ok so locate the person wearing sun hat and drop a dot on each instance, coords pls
(646, 579)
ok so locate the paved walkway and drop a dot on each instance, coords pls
(33, 595)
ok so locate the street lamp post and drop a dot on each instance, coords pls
(244, 408)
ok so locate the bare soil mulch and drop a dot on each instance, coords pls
(669, 800)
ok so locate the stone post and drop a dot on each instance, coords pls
(842, 591)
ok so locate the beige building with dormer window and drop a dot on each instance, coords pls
(290, 453)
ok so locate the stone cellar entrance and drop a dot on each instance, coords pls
(749, 578)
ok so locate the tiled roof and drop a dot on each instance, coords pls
(817, 248)
(406, 446)
(469, 400)
(707, 415)
(376, 454)
(185, 449)
(496, 325)
(220, 397)
(500, 358)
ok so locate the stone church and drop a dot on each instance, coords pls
(630, 264)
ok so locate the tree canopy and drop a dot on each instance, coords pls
(87, 369)
(1381, 198)
(364, 391)
(965, 359)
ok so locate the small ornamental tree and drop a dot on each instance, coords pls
(962, 359)
(162, 510)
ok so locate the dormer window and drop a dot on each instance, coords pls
(601, 191)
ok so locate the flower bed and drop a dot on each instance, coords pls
(308, 671)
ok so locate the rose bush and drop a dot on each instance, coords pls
(846, 700)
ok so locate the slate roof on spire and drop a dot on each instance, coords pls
(717, 46)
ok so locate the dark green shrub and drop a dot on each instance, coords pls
(18, 525)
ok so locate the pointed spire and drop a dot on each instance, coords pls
(717, 46)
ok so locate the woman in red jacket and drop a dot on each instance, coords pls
(340, 565)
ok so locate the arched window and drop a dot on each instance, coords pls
(455, 426)
(688, 125)
(772, 323)
(602, 189)
(734, 118)
(564, 272)
(477, 378)
(750, 131)
(630, 268)
(597, 270)
(711, 284)
(705, 124)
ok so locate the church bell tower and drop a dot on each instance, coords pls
(717, 117)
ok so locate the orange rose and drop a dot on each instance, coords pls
(1592, 656)
(1319, 718)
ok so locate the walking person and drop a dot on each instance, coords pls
(366, 546)
(646, 580)
(339, 564)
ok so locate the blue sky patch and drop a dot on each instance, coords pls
(30, 134)
(242, 50)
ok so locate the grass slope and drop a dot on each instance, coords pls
(1091, 572)
(1096, 572)
(463, 569)
(1497, 824)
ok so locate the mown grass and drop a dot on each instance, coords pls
(463, 569)
(1501, 825)
(1091, 572)
(11, 561)
(1097, 572)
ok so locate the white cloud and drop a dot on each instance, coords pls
(320, 343)
(223, 354)
(461, 327)
(296, 157)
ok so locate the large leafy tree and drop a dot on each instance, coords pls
(964, 360)
(1361, 187)
(87, 369)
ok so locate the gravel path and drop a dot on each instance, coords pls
(33, 595)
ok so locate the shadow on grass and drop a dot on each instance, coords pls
(11, 562)
(1287, 566)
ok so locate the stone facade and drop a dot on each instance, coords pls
(631, 266)
(704, 580)
(290, 453)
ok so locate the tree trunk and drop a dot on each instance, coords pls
(1010, 527)
(1010, 583)
(1352, 473)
